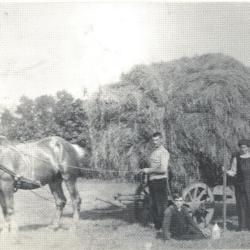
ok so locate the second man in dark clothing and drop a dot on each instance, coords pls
(179, 224)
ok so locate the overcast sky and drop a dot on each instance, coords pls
(46, 47)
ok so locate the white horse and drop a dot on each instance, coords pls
(47, 161)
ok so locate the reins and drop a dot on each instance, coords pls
(75, 167)
(104, 170)
(20, 181)
(26, 183)
(8, 171)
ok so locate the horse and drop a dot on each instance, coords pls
(48, 161)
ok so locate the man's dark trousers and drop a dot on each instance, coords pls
(159, 195)
(180, 225)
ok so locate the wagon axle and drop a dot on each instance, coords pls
(128, 197)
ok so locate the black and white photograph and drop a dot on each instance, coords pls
(124, 125)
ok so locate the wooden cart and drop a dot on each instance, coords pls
(199, 197)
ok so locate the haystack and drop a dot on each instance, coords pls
(207, 112)
(200, 104)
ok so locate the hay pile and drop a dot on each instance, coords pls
(207, 111)
(200, 104)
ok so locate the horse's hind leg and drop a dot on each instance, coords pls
(3, 204)
(4, 209)
(74, 195)
(60, 200)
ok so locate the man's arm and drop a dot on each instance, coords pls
(233, 170)
(163, 166)
(190, 221)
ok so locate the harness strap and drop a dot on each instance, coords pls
(21, 182)
(8, 171)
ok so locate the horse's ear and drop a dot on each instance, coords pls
(3, 140)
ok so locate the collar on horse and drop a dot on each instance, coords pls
(20, 181)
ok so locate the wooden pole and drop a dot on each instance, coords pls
(224, 199)
(225, 177)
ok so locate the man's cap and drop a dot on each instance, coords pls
(157, 134)
(245, 142)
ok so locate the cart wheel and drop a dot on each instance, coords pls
(142, 206)
(200, 199)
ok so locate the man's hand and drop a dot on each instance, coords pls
(206, 232)
(225, 170)
(145, 170)
(141, 171)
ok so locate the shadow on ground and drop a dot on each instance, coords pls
(32, 227)
(125, 214)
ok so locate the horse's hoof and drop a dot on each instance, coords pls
(5, 229)
(54, 227)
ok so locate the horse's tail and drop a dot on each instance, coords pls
(57, 148)
(81, 153)
(61, 146)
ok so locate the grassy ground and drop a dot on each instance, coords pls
(101, 227)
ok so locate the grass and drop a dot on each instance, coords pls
(99, 227)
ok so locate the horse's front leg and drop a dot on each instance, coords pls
(7, 204)
(60, 200)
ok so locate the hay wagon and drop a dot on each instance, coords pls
(199, 197)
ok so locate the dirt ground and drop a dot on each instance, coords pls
(100, 227)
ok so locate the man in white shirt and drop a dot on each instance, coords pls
(158, 179)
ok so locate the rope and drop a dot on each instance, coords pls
(45, 198)
(21, 153)
(97, 211)
(104, 170)
(106, 211)
(40, 196)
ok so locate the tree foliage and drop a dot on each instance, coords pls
(45, 116)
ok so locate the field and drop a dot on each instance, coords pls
(101, 227)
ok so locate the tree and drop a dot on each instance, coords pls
(44, 112)
(71, 119)
(8, 122)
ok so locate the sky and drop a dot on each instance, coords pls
(47, 47)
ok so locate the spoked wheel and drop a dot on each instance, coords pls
(142, 205)
(200, 199)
